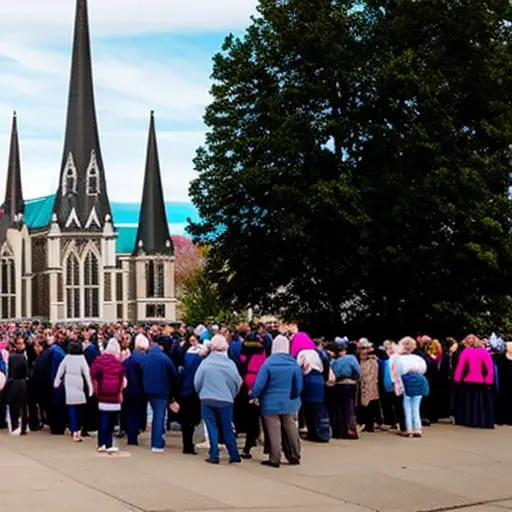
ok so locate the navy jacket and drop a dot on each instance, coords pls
(159, 374)
(133, 372)
(91, 353)
(191, 363)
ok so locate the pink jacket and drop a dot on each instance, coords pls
(475, 366)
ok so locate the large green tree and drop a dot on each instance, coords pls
(357, 164)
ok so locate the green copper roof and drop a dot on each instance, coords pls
(38, 213)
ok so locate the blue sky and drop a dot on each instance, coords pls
(147, 55)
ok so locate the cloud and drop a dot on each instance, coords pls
(153, 58)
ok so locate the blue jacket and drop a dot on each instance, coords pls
(217, 379)
(57, 355)
(278, 385)
(346, 367)
(134, 374)
(235, 351)
(415, 384)
(91, 353)
(191, 363)
(3, 367)
(159, 374)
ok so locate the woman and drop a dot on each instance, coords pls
(408, 373)
(369, 398)
(77, 385)
(217, 382)
(347, 372)
(17, 390)
(190, 406)
(504, 391)
(252, 358)
(108, 381)
(474, 377)
(313, 395)
(278, 388)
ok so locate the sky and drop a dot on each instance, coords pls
(147, 55)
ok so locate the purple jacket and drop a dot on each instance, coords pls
(107, 377)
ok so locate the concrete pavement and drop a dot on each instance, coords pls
(449, 469)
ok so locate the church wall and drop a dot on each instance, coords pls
(40, 281)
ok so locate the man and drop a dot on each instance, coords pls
(159, 382)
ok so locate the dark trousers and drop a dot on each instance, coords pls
(342, 400)
(57, 418)
(90, 415)
(220, 419)
(252, 419)
(393, 410)
(17, 412)
(132, 417)
(107, 420)
(369, 415)
(313, 415)
(3, 410)
(75, 418)
(189, 417)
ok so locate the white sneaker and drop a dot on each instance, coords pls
(112, 449)
(157, 450)
(16, 432)
(102, 449)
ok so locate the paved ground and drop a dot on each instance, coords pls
(450, 469)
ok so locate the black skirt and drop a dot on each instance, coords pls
(474, 405)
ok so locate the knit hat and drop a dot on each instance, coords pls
(219, 344)
(141, 342)
(113, 348)
(281, 345)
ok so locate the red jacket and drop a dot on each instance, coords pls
(107, 378)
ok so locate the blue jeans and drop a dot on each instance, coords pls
(74, 417)
(107, 420)
(412, 413)
(159, 406)
(220, 417)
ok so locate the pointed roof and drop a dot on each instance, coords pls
(81, 145)
(153, 232)
(13, 203)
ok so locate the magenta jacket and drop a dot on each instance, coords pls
(301, 341)
(475, 366)
(107, 377)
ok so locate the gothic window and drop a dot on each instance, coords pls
(155, 311)
(72, 286)
(91, 286)
(92, 177)
(8, 285)
(69, 177)
(155, 279)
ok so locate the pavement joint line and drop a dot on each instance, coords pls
(494, 501)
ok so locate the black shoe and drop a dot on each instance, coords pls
(189, 451)
(246, 456)
(294, 462)
(271, 464)
(236, 461)
(85, 433)
(210, 461)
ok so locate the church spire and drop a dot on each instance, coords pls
(82, 201)
(153, 233)
(13, 204)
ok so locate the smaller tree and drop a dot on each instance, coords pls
(189, 259)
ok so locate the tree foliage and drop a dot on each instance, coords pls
(356, 167)
(189, 259)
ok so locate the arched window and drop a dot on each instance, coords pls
(69, 177)
(91, 286)
(92, 176)
(8, 284)
(72, 286)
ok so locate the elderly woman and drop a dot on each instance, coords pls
(108, 379)
(217, 382)
(278, 387)
(74, 370)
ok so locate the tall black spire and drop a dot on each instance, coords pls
(82, 201)
(153, 233)
(13, 204)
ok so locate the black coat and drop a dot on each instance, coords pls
(17, 378)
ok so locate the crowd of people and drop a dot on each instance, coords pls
(261, 382)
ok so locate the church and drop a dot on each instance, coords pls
(63, 258)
